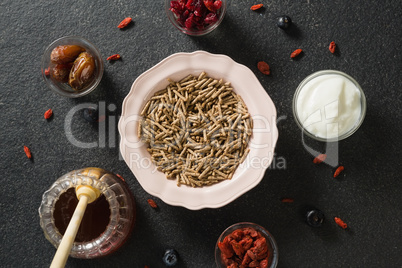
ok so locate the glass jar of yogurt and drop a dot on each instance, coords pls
(329, 105)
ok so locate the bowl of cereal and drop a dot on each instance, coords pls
(198, 130)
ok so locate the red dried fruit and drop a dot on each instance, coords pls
(124, 23)
(211, 18)
(264, 263)
(287, 200)
(255, 7)
(320, 158)
(338, 171)
(120, 177)
(332, 47)
(114, 57)
(152, 203)
(27, 152)
(217, 4)
(237, 247)
(246, 242)
(244, 247)
(189, 21)
(196, 14)
(296, 53)
(47, 71)
(263, 67)
(226, 248)
(48, 114)
(341, 223)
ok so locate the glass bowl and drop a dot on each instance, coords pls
(64, 89)
(272, 247)
(173, 18)
(315, 79)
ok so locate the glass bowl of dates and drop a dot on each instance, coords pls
(196, 17)
(246, 244)
(72, 66)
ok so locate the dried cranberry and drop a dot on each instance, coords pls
(190, 5)
(176, 5)
(211, 18)
(210, 5)
(189, 21)
(199, 8)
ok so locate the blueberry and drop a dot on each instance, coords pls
(171, 257)
(91, 114)
(315, 217)
(284, 22)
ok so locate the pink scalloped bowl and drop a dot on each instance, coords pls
(262, 143)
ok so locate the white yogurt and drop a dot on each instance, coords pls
(329, 105)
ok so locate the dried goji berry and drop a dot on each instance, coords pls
(296, 53)
(287, 200)
(48, 114)
(255, 7)
(27, 152)
(341, 223)
(118, 175)
(332, 47)
(338, 171)
(47, 71)
(124, 23)
(114, 57)
(320, 158)
(263, 67)
(152, 203)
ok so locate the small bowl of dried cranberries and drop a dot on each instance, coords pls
(246, 244)
(196, 17)
(72, 66)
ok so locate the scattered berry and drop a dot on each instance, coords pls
(284, 22)
(124, 23)
(296, 53)
(341, 223)
(114, 57)
(27, 152)
(47, 71)
(170, 258)
(315, 217)
(48, 114)
(332, 47)
(91, 114)
(287, 200)
(320, 158)
(256, 7)
(338, 171)
(120, 177)
(152, 203)
(263, 67)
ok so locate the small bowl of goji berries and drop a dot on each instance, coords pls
(196, 17)
(246, 244)
(72, 66)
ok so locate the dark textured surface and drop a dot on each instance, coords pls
(368, 196)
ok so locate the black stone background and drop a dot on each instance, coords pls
(367, 196)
